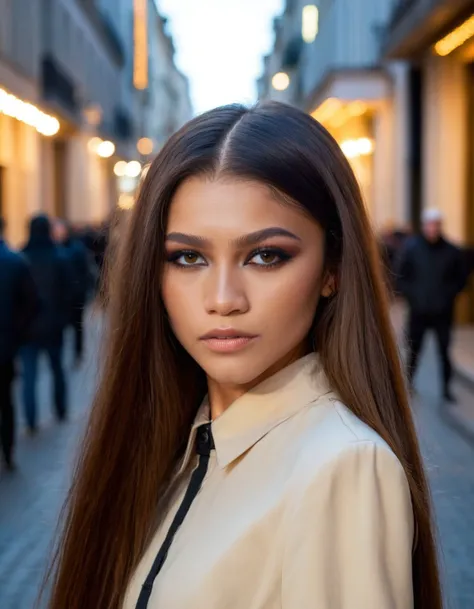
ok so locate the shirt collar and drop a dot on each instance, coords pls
(257, 412)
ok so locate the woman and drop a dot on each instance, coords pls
(249, 273)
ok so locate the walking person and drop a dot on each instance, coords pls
(81, 274)
(431, 273)
(251, 443)
(18, 307)
(52, 276)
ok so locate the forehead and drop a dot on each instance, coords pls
(204, 205)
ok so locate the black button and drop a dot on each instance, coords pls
(205, 441)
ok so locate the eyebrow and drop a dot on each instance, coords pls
(245, 240)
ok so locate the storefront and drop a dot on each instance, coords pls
(439, 45)
(356, 108)
(24, 128)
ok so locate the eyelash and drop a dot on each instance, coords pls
(282, 255)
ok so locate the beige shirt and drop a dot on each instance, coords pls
(303, 507)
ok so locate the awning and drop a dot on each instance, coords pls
(351, 87)
(417, 24)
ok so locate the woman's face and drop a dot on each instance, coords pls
(243, 277)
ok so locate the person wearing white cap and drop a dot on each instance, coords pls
(431, 273)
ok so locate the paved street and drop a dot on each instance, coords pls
(30, 500)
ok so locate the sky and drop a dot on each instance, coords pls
(220, 46)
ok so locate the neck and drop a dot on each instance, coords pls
(223, 395)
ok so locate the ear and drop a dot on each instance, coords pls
(329, 285)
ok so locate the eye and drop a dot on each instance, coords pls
(268, 257)
(186, 258)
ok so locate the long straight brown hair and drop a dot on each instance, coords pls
(150, 388)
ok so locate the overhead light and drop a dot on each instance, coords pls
(366, 146)
(310, 23)
(93, 144)
(327, 109)
(133, 169)
(280, 81)
(106, 149)
(140, 44)
(358, 147)
(456, 38)
(357, 108)
(120, 168)
(28, 113)
(145, 146)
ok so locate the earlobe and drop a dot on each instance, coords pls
(329, 287)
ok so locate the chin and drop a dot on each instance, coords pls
(227, 370)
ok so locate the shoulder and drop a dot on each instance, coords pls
(349, 514)
(16, 259)
(344, 473)
(333, 439)
(453, 248)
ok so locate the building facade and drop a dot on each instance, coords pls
(327, 56)
(82, 63)
(169, 104)
(436, 40)
(21, 184)
(75, 127)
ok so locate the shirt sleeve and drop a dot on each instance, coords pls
(349, 535)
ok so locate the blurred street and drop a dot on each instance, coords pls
(30, 499)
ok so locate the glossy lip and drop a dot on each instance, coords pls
(227, 340)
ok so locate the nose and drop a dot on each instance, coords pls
(225, 293)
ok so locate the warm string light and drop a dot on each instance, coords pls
(106, 149)
(103, 148)
(131, 170)
(456, 38)
(280, 81)
(145, 146)
(126, 201)
(28, 113)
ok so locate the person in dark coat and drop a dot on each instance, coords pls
(18, 307)
(78, 258)
(431, 273)
(53, 279)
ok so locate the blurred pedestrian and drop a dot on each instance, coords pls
(18, 307)
(53, 279)
(78, 259)
(431, 273)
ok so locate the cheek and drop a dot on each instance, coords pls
(177, 300)
(291, 301)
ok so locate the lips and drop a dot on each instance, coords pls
(227, 340)
(226, 334)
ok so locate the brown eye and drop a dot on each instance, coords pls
(268, 257)
(186, 259)
(190, 258)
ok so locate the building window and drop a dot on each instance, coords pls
(309, 23)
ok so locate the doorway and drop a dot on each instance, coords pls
(60, 177)
(469, 215)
